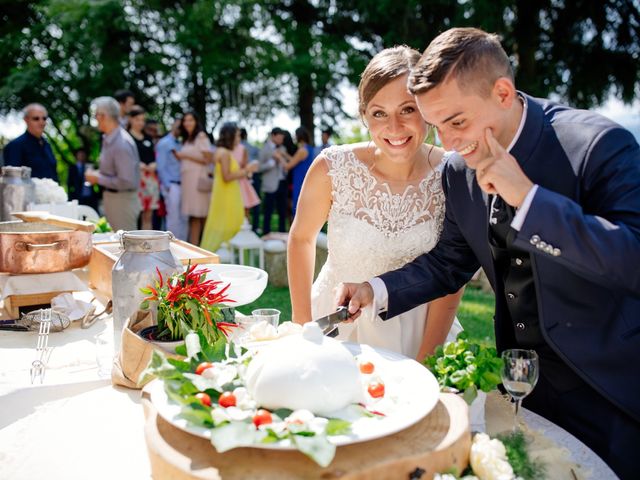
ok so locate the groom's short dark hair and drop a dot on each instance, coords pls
(473, 57)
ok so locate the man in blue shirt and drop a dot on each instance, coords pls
(31, 149)
(326, 139)
(168, 168)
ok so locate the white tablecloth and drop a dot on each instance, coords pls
(74, 425)
(77, 426)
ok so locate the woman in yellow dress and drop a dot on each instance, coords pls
(226, 210)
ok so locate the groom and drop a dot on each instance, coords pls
(546, 199)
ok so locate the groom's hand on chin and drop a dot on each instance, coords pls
(356, 295)
(501, 174)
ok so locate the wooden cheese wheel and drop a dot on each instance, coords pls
(437, 443)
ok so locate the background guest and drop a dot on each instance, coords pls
(119, 167)
(126, 101)
(168, 169)
(149, 191)
(325, 137)
(298, 163)
(256, 178)
(226, 211)
(249, 196)
(31, 149)
(78, 188)
(274, 183)
(152, 129)
(195, 203)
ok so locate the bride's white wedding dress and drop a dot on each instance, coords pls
(376, 226)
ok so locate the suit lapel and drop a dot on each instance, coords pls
(530, 135)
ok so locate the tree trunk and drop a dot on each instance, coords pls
(527, 33)
(198, 93)
(305, 15)
(306, 98)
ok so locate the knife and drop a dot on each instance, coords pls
(329, 323)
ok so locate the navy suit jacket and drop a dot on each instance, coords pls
(29, 151)
(587, 207)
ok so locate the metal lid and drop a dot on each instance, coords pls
(145, 241)
(12, 171)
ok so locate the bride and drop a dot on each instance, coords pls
(384, 204)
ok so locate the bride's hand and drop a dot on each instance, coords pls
(359, 295)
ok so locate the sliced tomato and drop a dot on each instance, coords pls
(202, 367)
(376, 389)
(262, 417)
(204, 398)
(367, 367)
(227, 399)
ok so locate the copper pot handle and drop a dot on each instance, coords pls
(29, 247)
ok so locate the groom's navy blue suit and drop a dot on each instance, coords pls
(581, 236)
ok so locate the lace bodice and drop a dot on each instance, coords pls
(374, 226)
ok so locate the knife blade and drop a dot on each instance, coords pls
(329, 323)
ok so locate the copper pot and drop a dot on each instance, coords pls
(39, 247)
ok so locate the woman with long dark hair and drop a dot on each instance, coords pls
(299, 163)
(226, 210)
(194, 161)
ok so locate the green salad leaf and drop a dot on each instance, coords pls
(317, 447)
(337, 426)
(102, 226)
(466, 367)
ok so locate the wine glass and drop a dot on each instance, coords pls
(519, 375)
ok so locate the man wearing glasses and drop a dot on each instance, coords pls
(31, 149)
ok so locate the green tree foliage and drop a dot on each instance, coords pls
(242, 59)
(580, 51)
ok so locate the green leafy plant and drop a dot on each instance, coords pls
(102, 226)
(188, 302)
(466, 367)
(523, 466)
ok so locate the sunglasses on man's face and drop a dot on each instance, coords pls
(37, 119)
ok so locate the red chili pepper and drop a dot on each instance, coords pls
(207, 316)
(226, 327)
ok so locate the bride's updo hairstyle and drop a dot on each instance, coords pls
(385, 67)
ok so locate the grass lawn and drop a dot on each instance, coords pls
(475, 311)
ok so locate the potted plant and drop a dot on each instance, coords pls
(183, 303)
(468, 369)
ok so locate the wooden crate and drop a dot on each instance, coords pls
(105, 255)
(13, 303)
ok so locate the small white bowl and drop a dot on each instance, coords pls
(243, 290)
(236, 277)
